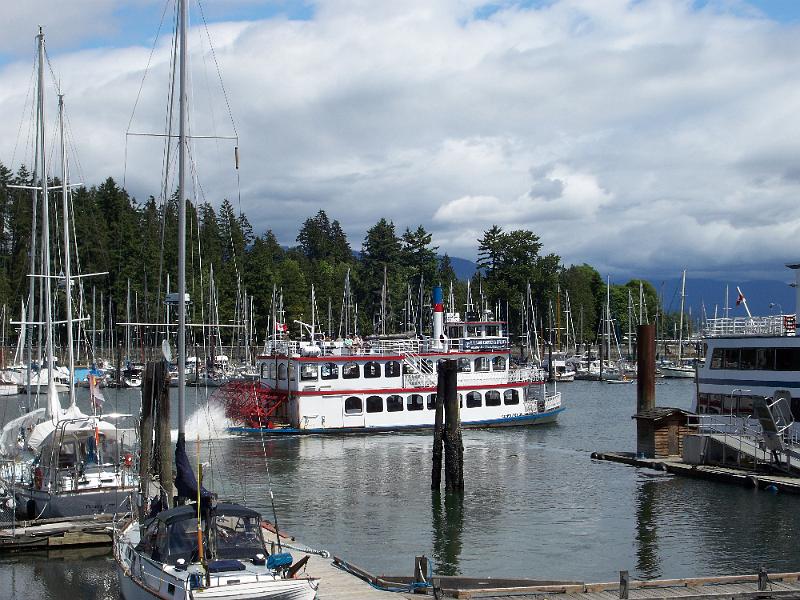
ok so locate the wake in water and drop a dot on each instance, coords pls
(209, 422)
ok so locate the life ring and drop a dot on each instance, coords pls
(38, 478)
(127, 460)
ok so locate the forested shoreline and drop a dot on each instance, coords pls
(136, 241)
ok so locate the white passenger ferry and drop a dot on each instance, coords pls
(389, 383)
(749, 358)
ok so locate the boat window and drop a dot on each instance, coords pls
(148, 541)
(238, 536)
(291, 371)
(272, 370)
(415, 402)
(787, 359)
(374, 404)
(394, 403)
(747, 359)
(510, 397)
(372, 369)
(427, 366)
(794, 404)
(350, 371)
(765, 359)
(408, 368)
(392, 369)
(431, 401)
(730, 359)
(492, 398)
(481, 364)
(329, 371)
(464, 365)
(180, 541)
(499, 363)
(716, 358)
(263, 370)
(308, 372)
(282, 371)
(353, 406)
(474, 400)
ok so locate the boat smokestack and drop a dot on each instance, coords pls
(438, 317)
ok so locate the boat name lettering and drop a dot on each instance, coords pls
(484, 344)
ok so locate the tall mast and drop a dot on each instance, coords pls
(52, 395)
(680, 327)
(67, 267)
(182, 227)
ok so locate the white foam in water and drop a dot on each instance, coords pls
(209, 421)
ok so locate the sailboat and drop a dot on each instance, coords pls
(67, 463)
(206, 549)
(680, 370)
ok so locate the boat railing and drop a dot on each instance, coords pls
(775, 325)
(525, 374)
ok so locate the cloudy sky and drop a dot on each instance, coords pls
(639, 136)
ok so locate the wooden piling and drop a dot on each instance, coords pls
(645, 367)
(155, 388)
(436, 469)
(453, 443)
(624, 580)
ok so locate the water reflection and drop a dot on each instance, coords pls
(648, 561)
(447, 512)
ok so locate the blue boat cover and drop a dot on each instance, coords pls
(276, 561)
(220, 566)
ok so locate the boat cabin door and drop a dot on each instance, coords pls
(353, 411)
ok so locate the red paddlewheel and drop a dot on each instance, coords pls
(249, 402)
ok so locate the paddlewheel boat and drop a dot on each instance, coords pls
(389, 383)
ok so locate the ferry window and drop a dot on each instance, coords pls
(427, 366)
(474, 400)
(730, 359)
(374, 404)
(394, 403)
(747, 359)
(765, 359)
(372, 369)
(787, 359)
(282, 371)
(464, 365)
(492, 398)
(499, 363)
(291, 371)
(415, 402)
(795, 407)
(272, 370)
(716, 358)
(351, 371)
(264, 370)
(329, 371)
(511, 397)
(308, 371)
(431, 401)
(392, 369)
(408, 368)
(481, 364)
(353, 406)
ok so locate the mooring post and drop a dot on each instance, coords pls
(453, 443)
(645, 367)
(762, 579)
(623, 584)
(420, 572)
(436, 469)
(155, 387)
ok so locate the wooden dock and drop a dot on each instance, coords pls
(676, 466)
(45, 534)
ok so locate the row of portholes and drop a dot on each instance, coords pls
(354, 405)
(372, 369)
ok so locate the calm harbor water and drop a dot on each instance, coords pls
(535, 504)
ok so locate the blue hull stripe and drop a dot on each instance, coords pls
(750, 383)
(506, 422)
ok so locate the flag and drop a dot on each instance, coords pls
(94, 391)
(740, 299)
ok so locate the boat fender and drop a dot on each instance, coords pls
(279, 560)
(38, 478)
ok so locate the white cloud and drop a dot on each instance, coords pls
(637, 136)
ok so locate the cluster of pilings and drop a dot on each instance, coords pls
(447, 431)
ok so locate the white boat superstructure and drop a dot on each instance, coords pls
(389, 383)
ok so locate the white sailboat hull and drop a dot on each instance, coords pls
(678, 372)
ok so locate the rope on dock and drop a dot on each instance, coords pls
(382, 584)
(307, 550)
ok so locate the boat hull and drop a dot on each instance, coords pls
(297, 589)
(541, 418)
(677, 372)
(51, 506)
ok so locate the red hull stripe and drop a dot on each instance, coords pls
(461, 388)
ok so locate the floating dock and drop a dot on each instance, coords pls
(45, 534)
(732, 475)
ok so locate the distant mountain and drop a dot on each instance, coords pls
(759, 295)
(464, 268)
